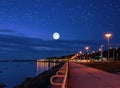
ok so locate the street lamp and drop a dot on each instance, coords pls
(108, 35)
(116, 54)
(101, 51)
(93, 55)
(87, 48)
(80, 54)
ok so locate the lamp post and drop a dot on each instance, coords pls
(80, 54)
(112, 52)
(101, 51)
(87, 48)
(116, 54)
(93, 54)
(108, 35)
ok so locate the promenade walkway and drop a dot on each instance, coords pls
(86, 77)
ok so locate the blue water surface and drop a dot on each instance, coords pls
(13, 73)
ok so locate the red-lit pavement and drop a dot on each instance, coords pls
(85, 77)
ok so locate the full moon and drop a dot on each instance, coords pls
(56, 35)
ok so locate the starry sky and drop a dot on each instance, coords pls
(28, 26)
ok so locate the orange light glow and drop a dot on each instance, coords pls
(80, 52)
(100, 49)
(108, 35)
(87, 48)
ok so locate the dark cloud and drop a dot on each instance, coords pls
(10, 32)
(22, 47)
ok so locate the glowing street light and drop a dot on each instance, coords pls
(87, 48)
(108, 36)
(93, 51)
(100, 49)
(80, 52)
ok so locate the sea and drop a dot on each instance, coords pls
(15, 72)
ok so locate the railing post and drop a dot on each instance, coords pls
(62, 73)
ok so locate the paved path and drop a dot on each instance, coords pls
(86, 77)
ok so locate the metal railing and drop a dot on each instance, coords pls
(61, 74)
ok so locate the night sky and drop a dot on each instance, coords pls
(27, 26)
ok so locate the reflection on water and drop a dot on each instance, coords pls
(42, 66)
(13, 73)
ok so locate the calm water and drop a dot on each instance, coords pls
(13, 73)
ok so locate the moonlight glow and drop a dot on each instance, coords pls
(56, 36)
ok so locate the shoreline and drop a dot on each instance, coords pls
(40, 81)
(26, 61)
